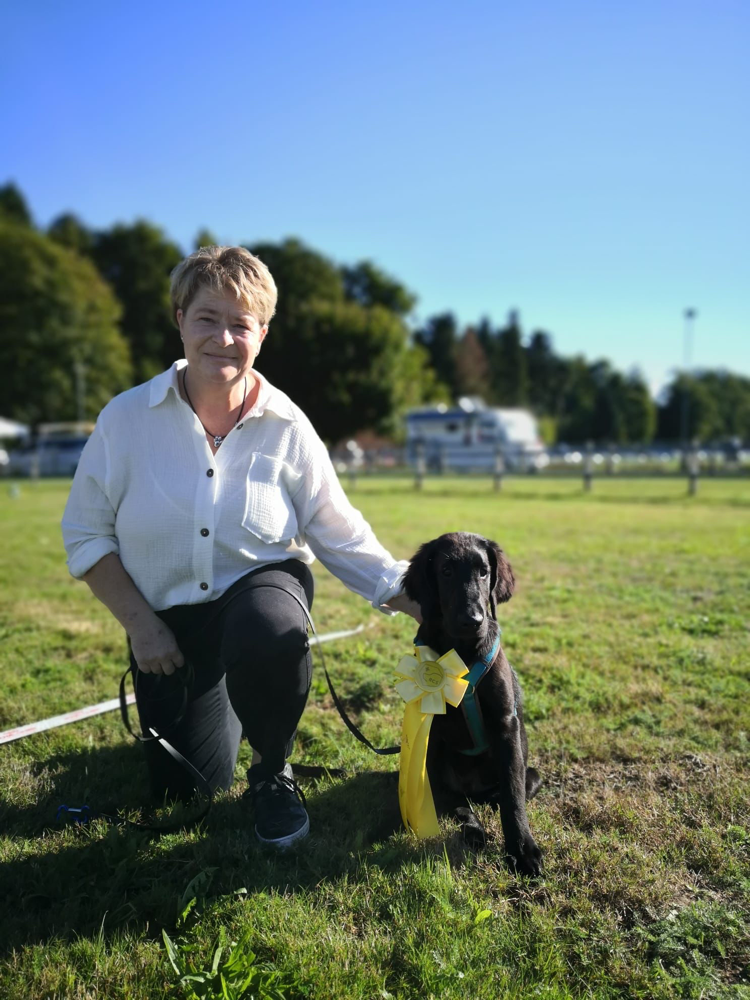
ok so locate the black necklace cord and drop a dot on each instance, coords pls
(218, 438)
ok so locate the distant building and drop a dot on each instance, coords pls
(470, 435)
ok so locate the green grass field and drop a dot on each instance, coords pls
(630, 631)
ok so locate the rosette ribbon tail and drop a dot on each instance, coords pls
(414, 792)
(428, 681)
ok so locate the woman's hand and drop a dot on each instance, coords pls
(403, 603)
(155, 648)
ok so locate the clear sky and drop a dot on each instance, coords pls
(584, 162)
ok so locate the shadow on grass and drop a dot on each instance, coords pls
(64, 882)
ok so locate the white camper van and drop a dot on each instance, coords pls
(469, 436)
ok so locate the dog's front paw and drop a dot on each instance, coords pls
(472, 830)
(525, 857)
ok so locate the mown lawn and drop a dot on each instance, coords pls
(630, 631)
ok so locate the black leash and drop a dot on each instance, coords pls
(336, 700)
(85, 814)
(186, 675)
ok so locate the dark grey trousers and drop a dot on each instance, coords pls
(252, 673)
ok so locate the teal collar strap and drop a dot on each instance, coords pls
(469, 705)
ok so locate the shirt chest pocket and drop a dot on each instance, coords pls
(269, 512)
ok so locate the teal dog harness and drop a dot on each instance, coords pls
(469, 706)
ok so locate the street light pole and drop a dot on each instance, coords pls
(689, 316)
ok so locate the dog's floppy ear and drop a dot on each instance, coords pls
(502, 581)
(419, 581)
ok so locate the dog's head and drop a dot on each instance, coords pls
(460, 578)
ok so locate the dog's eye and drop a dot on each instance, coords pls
(446, 571)
(483, 572)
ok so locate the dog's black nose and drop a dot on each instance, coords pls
(473, 620)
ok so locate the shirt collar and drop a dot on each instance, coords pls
(269, 397)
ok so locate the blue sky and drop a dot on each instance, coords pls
(585, 163)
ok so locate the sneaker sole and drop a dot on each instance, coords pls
(283, 842)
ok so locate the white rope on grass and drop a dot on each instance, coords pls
(109, 706)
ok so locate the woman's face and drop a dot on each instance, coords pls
(221, 338)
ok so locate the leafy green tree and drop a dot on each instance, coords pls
(577, 403)
(608, 419)
(68, 230)
(416, 383)
(545, 373)
(732, 395)
(344, 368)
(510, 381)
(13, 207)
(440, 338)
(369, 286)
(486, 335)
(472, 366)
(205, 238)
(639, 410)
(349, 365)
(137, 260)
(302, 276)
(703, 411)
(603, 405)
(56, 313)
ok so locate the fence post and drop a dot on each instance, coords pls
(419, 465)
(588, 466)
(499, 468)
(693, 464)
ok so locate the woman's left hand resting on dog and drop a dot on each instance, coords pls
(403, 603)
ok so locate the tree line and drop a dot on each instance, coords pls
(95, 303)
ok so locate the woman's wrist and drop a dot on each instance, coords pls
(111, 584)
(400, 602)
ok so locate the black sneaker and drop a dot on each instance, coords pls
(280, 814)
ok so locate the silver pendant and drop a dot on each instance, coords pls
(218, 438)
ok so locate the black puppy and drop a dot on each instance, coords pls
(458, 579)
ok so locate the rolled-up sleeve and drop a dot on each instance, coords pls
(341, 538)
(88, 523)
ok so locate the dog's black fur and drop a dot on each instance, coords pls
(458, 580)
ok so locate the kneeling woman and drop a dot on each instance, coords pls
(200, 501)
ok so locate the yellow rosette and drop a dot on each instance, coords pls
(428, 682)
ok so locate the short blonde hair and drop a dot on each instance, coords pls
(225, 269)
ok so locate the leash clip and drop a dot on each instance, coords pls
(80, 815)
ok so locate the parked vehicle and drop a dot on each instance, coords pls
(55, 451)
(470, 436)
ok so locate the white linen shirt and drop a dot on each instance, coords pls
(187, 524)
